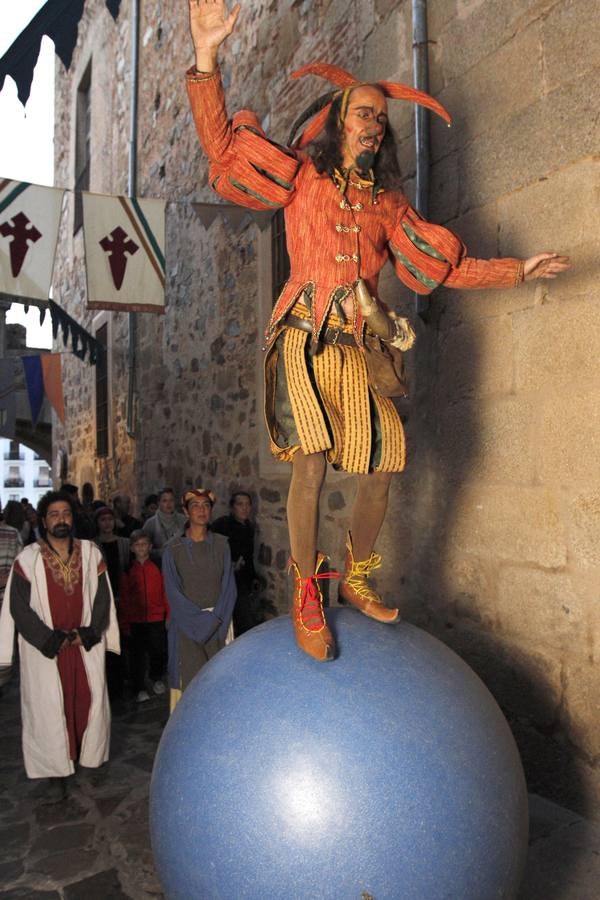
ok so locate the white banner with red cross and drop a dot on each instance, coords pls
(124, 253)
(29, 220)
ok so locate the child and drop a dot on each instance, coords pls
(143, 608)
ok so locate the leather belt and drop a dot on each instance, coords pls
(328, 335)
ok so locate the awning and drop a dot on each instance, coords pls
(82, 342)
(59, 19)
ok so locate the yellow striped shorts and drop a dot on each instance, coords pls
(323, 403)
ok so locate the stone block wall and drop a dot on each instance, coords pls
(501, 491)
(103, 46)
(491, 541)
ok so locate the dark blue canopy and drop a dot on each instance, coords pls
(59, 19)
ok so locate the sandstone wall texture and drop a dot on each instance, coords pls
(492, 537)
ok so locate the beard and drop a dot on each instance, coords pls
(61, 531)
(365, 160)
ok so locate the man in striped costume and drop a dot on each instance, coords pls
(345, 215)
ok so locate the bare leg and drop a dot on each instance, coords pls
(308, 474)
(369, 511)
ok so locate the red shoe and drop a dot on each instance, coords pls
(311, 630)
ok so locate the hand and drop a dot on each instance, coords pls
(75, 638)
(210, 25)
(545, 265)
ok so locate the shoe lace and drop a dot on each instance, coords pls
(364, 568)
(311, 602)
(360, 571)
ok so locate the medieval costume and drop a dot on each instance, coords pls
(321, 399)
(64, 702)
(201, 592)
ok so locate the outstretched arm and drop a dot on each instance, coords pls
(427, 255)
(210, 25)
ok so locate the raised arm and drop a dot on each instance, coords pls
(210, 26)
(245, 166)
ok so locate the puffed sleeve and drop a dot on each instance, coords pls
(426, 256)
(245, 168)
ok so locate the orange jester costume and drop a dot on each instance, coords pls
(334, 237)
(339, 229)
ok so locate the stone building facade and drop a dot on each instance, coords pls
(492, 541)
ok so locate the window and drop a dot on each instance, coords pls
(83, 121)
(102, 331)
(44, 478)
(14, 451)
(14, 478)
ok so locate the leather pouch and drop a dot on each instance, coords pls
(385, 368)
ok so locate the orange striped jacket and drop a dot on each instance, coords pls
(333, 238)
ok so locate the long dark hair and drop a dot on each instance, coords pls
(326, 151)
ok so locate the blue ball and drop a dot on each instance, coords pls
(387, 773)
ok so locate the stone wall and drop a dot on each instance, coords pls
(104, 45)
(493, 532)
(500, 501)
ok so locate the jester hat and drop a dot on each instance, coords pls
(345, 82)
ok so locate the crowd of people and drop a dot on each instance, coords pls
(100, 606)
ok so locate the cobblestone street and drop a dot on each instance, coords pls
(95, 844)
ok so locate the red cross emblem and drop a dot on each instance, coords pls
(118, 244)
(22, 233)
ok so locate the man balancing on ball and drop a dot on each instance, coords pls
(345, 215)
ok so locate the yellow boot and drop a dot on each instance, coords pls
(355, 590)
(312, 633)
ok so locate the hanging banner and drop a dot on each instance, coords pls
(124, 253)
(52, 371)
(59, 19)
(236, 217)
(34, 382)
(29, 220)
(8, 402)
(43, 378)
(82, 341)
